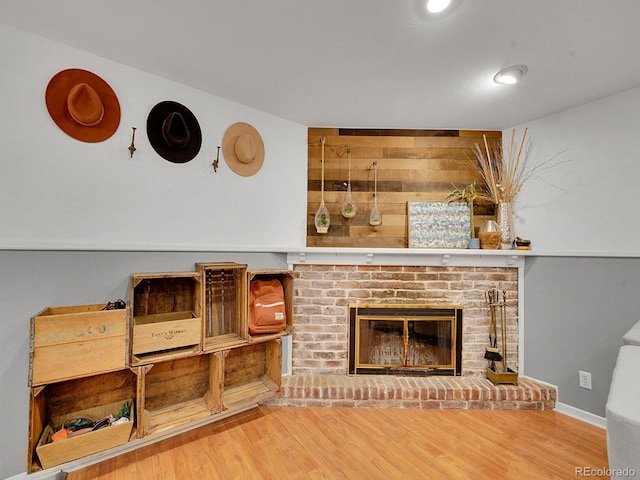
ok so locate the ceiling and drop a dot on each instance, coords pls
(362, 63)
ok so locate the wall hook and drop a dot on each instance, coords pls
(216, 161)
(132, 147)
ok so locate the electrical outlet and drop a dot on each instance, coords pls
(585, 379)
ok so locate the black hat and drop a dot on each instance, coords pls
(174, 132)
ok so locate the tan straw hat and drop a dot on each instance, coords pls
(243, 149)
(83, 105)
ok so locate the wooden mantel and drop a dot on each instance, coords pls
(413, 256)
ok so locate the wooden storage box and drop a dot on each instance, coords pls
(76, 341)
(55, 453)
(286, 278)
(252, 374)
(224, 311)
(165, 316)
(95, 396)
(178, 392)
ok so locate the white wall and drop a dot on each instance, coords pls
(576, 310)
(581, 298)
(589, 204)
(57, 192)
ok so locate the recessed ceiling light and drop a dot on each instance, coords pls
(510, 75)
(436, 9)
(437, 6)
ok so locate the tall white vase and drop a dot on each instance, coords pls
(504, 216)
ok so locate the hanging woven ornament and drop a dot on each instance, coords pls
(349, 208)
(323, 219)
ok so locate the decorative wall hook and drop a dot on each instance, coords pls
(132, 147)
(216, 162)
(375, 218)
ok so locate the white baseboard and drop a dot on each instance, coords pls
(574, 412)
(44, 475)
(587, 417)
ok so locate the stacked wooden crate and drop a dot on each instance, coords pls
(166, 316)
(78, 357)
(180, 354)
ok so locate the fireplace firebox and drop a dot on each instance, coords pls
(405, 339)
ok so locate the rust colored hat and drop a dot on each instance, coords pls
(243, 149)
(174, 132)
(83, 105)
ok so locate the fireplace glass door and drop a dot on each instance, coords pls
(402, 340)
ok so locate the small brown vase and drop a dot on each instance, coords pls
(490, 235)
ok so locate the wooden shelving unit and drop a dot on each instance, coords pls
(251, 374)
(224, 310)
(176, 383)
(285, 277)
(176, 392)
(57, 402)
(166, 316)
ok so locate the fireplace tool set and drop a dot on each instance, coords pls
(498, 370)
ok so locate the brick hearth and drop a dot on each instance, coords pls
(381, 391)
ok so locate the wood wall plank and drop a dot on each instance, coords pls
(412, 165)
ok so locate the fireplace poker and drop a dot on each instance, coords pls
(492, 353)
(503, 330)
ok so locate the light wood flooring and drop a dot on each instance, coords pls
(274, 443)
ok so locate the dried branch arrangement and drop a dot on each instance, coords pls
(504, 178)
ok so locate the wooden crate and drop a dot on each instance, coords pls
(166, 318)
(224, 311)
(251, 374)
(76, 341)
(178, 392)
(286, 278)
(51, 454)
(64, 400)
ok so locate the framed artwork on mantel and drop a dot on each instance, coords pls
(439, 224)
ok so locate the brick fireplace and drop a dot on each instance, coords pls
(323, 292)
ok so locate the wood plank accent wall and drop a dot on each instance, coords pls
(413, 165)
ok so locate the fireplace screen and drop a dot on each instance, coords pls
(405, 339)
